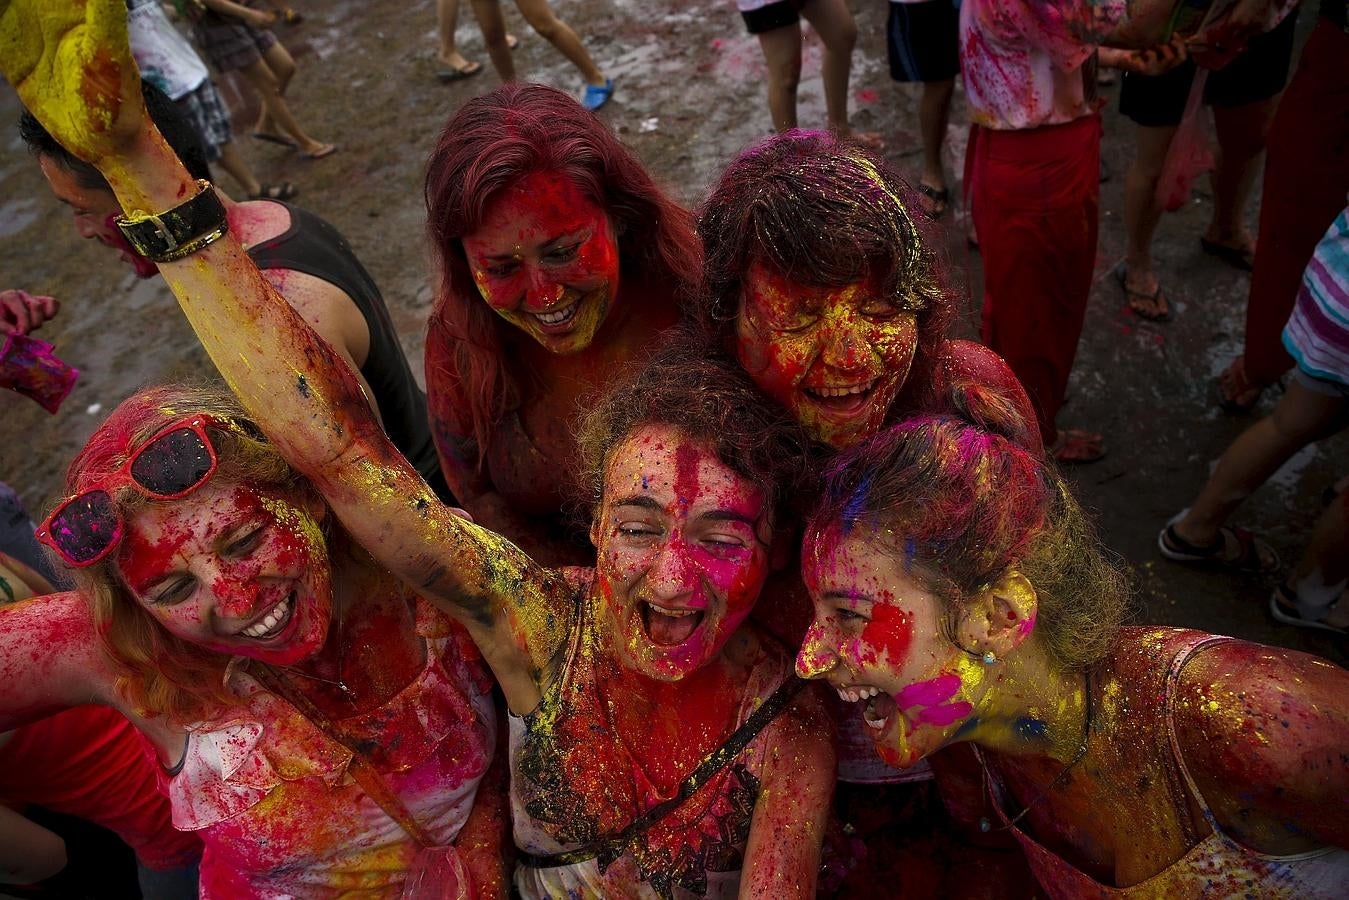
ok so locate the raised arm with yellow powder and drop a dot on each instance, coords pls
(72, 67)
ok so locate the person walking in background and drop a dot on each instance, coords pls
(540, 16)
(922, 45)
(234, 37)
(1243, 95)
(452, 66)
(777, 25)
(167, 61)
(1305, 181)
(1312, 409)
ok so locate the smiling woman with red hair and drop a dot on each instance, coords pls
(560, 260)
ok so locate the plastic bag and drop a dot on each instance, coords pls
(1190, 154)
(28, 366)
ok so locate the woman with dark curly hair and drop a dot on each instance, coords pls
(560, 261)
(819, 279)
(961, 595)
(661, 744)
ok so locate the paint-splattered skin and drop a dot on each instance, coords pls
(1261, 730)
(527, 476)
(311, 406)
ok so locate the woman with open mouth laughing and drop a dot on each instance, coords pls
(560, 261)
(663, 747)
(962, 596)
(318, 724)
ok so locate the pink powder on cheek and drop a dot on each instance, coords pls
(945, 714)
(928, 693)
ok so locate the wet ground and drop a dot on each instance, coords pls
(690, 95)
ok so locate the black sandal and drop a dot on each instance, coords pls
(283, 191)
(940, 197)
(1283, 607)
(1247, 560)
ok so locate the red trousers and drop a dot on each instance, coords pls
(1306, 178)
(1035, 197)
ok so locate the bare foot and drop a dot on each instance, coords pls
(1076, 447)
(1143, 291)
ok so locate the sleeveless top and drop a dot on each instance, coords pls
(270, 795)
(1215, 867)
(573, 782)
(313, 246)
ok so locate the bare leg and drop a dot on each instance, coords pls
(838, 32)
(447, 16)
(1241, 134)
(541, 18)
(782, 50)
(282, 67)
(1141, 215)
(934, 114)
(275, 109)
(1301, 418)
(232, 161)
(493, 27)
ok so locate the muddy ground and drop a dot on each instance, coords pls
(690, 95)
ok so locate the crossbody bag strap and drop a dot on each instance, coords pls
(361, 769)
(716, 761)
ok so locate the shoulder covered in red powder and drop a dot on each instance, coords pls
(1265, 734)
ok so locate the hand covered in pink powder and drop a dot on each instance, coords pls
(21, 312)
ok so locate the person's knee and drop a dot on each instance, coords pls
(784, 72)
(545, 24)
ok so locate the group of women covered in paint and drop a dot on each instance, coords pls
(308, 636)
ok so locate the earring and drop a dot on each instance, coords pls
(989, 658)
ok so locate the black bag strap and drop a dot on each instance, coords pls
(715, 761)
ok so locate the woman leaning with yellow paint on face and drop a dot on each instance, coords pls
(961, 596)
(689, 491)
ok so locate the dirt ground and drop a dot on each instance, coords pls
(690, 95)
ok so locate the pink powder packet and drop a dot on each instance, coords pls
(28, 366)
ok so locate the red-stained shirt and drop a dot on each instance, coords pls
(91, 762)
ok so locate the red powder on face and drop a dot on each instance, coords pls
(890, 632)
(686, 473)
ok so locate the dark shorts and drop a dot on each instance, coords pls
(773, 16)
(923, 41)
(1158, 101)
(233, 45)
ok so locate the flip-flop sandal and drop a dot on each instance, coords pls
(451, 73)
(1156, 298)
(1250, 549)
(1242, 258)
(274, 139)
(322, 153)
(940, 197)
(1283, 607)
(283, 191)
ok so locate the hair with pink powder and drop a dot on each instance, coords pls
(490, 144)
(963, 505)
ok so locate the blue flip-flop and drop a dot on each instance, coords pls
(597, 95)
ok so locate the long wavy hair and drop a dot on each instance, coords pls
(962, 505)
(159, 672)
(490, 144)
(825, 212)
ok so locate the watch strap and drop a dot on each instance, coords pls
(183, 230)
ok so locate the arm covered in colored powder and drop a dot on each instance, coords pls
(73, 69)
(782, 857)
(1263, 732)
(50, 659)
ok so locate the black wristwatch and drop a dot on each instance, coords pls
(179, 232)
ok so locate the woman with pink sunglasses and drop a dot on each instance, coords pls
(319, 726)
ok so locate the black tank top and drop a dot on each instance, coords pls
(314, 247)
